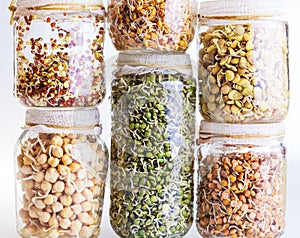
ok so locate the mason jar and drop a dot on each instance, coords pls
(152, 146)
(242, 180)
(61, 167)
(58, 52)
(156, 25)
(243, 61)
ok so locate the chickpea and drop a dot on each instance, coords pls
(78, 198)
(75, 167)
(76, 226)
(85, 218)
(53, 162)
(59, 186)
(53, 222)
(88, 195)
(42, 159)
(65, 223)
(46, 186)
(57, 140)
(51, 175)
(39, 204)
(66, 159)
(57, 151)
(63, 170)
(57, 206)
(26, 169)
(81, 174)
(44, 217)
(66, 200)
(66, 212)
(77, 208)
(50, 199)
(69, 190)
(86, 206)
(39, 177)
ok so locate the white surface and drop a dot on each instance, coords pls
(12, 119)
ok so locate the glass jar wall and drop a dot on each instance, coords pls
(59, 53)
(156, 25)
(61, 166)
(243, 61)
(152, 147)
(242, 180)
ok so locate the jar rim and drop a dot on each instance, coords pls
(62, 117)
(207, 129)
(240, 8)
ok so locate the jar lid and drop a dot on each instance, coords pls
(63, 117)
(243, 131)
(131, 63)
(154, 59)
(57, 3)
(240, 8)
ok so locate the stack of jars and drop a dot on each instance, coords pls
(244, 98)
(153, 118)
(61, 162)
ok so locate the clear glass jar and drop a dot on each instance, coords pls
(242, 180)
(159, 25)
(61, 167)
(59, 52)
(152, 146)
(243, 61)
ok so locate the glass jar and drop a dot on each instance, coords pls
(152, 146)
(156, 25)
(61, 167)
(59, 52)
(243, 61)
(242, 180)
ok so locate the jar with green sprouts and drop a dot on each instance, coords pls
(152, 145)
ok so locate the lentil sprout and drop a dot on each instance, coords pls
(241, 192)
(59, 57)
(156, 24)
(152, 154)
(243, 72)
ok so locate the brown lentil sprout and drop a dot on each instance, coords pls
(59, 58)
(241, 192)
(243, 72)
(55, 206)
(166, 25)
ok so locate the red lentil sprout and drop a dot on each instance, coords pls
(59, 58)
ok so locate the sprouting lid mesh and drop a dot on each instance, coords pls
(146, 63)
(221, 8)
(37, 3)
(63, 117)
(241, 130)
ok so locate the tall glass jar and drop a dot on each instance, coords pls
(243, 61)
(242, 180)
(152, 147)
(155, 25)
(61, 166)
(59, 52)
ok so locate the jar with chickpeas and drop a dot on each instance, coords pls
(241, 189)
(61, 167)
(154, 25)
(243, 61)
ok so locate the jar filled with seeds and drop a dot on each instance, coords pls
(155, 25)
(152, 147)
(58, 52)
(242, 180)
(243, 61)
(61, 167)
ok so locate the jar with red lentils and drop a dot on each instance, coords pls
(242, 180)
(61, 167)
(58, 47)
(154, 25)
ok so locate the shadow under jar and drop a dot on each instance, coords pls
(155, 25)
(242, 180)
(243, 61)
(59, 52)
(61, 167)
(152, 147)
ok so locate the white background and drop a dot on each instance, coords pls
(12, 119)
